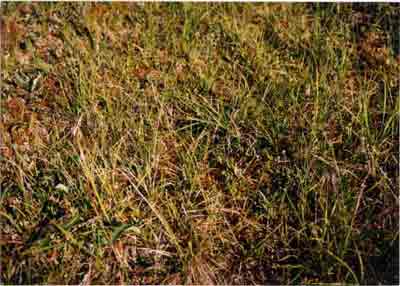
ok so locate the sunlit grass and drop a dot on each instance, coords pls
(199, 143)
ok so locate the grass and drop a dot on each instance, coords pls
(199, 143)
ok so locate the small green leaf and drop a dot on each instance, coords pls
(41, 65)
(72, 222)
(120, 229)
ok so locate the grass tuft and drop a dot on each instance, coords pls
(199, 143)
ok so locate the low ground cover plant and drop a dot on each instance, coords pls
(199, 143)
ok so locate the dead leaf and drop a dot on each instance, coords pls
(23, 58)
(11, 33)
(179, 70)
(141, 73)
(16, 106)
(25, 9)
(10, 239)
(87, 279)
(6, 152)
(174, 279)
(154, 74)
(373, 49)
(163, 56)
(120, 255)
(53, 256)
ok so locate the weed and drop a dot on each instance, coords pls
(199, 143)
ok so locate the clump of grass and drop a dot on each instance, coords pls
(199, 143)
